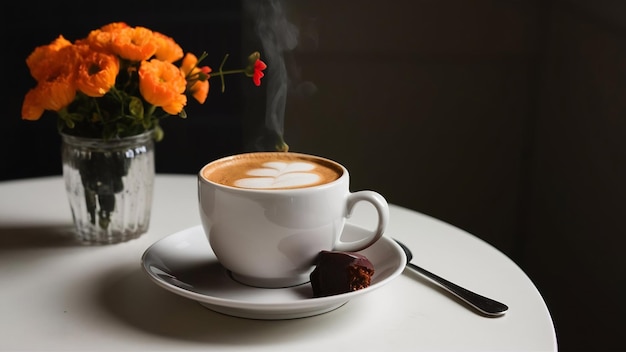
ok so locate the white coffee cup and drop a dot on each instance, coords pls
(267, 215)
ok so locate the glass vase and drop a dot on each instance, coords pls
(109, 185)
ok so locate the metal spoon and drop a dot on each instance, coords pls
(484, 305)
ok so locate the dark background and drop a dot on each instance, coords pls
(506, 118)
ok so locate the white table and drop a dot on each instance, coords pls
(57, 295)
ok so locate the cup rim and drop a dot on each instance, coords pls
(343, 176)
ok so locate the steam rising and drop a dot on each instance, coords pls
(278, 37)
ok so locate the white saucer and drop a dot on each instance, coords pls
(184, 264)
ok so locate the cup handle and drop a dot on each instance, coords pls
(382, 208)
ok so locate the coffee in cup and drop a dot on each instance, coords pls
(267, 215)
(272, 170)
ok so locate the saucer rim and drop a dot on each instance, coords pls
(270, 310)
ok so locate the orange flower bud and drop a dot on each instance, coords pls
(197, 77)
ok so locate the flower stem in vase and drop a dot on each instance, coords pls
(101, 175)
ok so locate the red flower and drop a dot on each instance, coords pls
(259, 66)
(255, 68)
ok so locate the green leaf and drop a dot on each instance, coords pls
(135, 107)
(158, 133)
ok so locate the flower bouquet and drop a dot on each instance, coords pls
(112, 86)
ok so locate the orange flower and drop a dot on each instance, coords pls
(134, 43)
(197, 78)
(162, 84)
(97, 40)
(167, 49)
(102, 38)
(97, 73)
(54, 96)
(53, 66)
(43, 61)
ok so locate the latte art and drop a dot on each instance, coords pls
(272, 170)
(278, 174)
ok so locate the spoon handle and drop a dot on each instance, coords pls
(483, 304)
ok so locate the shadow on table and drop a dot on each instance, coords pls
(132, 299)
(40, 236)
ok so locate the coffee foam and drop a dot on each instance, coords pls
(280, 174)
(279, 170)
